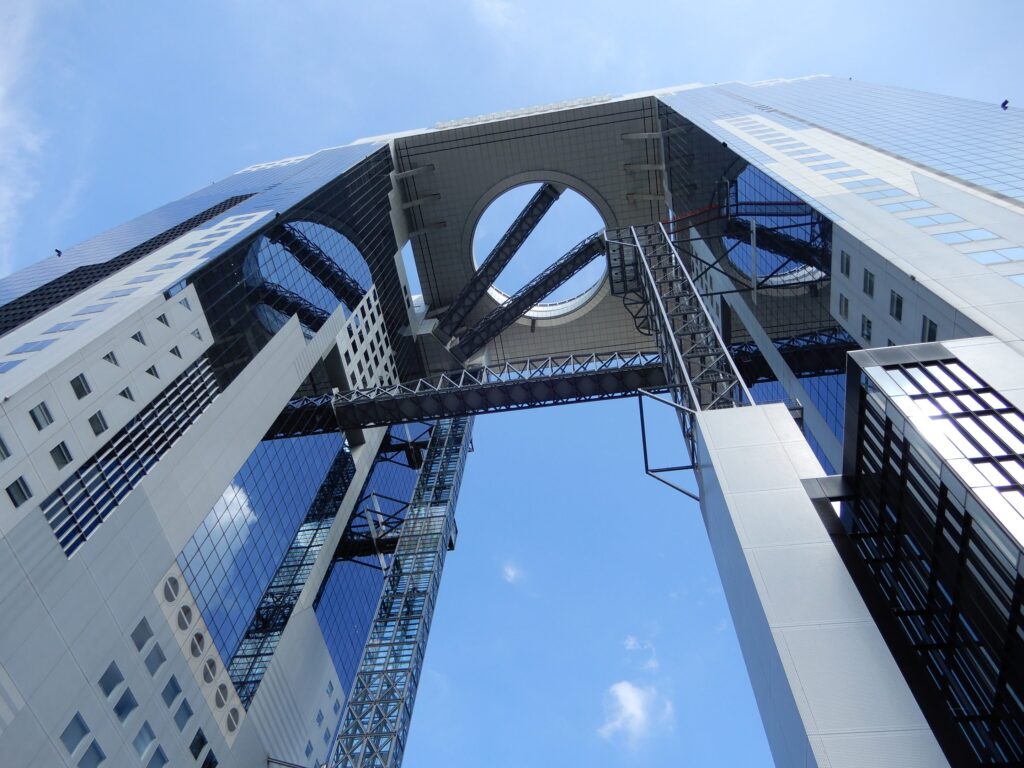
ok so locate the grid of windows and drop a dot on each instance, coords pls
(234, 553)
(85, 499)
(936, 532)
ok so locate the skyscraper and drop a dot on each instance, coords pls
(232, 437)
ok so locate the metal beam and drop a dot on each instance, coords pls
(499, 257)
(513, 385)
(290, 303)
(321, 266)
(808, 355)
(780, 243)
(529, 295)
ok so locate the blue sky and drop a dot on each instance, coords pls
(581, 621)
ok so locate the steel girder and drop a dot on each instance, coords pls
(814, 354)
(321, 266)
(533, 292)
(778, 242)
(487, 389)
(290, 303)
(499, 258)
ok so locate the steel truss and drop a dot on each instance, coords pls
(699, 371)
(289, 303)
(499, 258)
(510, 386)
(321, 266)
(533, 292)
(379, 707)
(820, 353)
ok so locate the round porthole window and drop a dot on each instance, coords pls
(184, 617)
(209, 670)
(171, 589)
(198, 645)
(221, 697)
(232, 720)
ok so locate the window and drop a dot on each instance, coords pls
(198, 744)
(330, 687)
(141, 634)
(126, 393)
(143, 738)
(929, 330)
(337, 706)
(319, 717)
(309, 749)
(152, 372)
(119, 293)
(93, 309)
(68, 326)
(163, 319)
(155, 659)
(93, 756)
(111, 679)
(327, 736)
(19, 492)
(158, 760)
(211, 760)
(183, 715)
(175, 351)
(31, 346)
(865, 328)
(137, 336)
(185, 304)
(4, 451)
(895, 305)
(171, 691)
(110, 357)
(125, 705)
(6, 365)
(80, 386)
(61, 455)
(197, 334)
(98, 423)
(869, 282)
(41, 416)
(74, 733)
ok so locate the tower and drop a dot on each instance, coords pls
(232, 437)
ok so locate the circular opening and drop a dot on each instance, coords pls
(171, 588)
(232, 719)
(209, 670)
(221, 697)
(198, 644)
(569, 220)
(184, 617)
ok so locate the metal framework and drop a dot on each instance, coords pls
(821, 353)
(700, 374)
(321, 266)
(378, 711)
(504, 315)
(290, 303)
(513, 385)
(499, 258)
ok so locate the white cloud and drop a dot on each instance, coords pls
(633, 712)
(511, 572)
(19, 137)
(633, 643)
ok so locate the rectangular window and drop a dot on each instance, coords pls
(68, 326)
(93, 756)
(61, 455)
(126, 393)
(143, 738)
(98, 423)
(211, 760)
(171, 691)
(110, 357)
(74, 733)
(4, 451)
(92, 309)
(183, 715)
(6, 365)
(869, 282)
(125, 705)
(844, 306)
(865, 328)
(19, 492)
(32, 346)
(137, 336)
(198, 744)
(80, 386)
(41, 416)
(158, 760)
(111, 679)
(155, 659)
(141, 634)
(929, 330)
(895, 305)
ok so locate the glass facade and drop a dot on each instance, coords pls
(934, 541)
